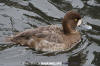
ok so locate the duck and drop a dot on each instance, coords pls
(52, 37)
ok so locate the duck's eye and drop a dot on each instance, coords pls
(75, 20)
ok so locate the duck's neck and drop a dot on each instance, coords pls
(67, 28)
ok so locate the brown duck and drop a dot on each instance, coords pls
(52, 37)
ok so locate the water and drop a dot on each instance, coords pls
(18, 15)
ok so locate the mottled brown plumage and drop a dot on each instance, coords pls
(52, 37)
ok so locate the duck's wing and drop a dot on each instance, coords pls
(40, 32)
(24, 36)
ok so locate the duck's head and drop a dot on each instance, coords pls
(71, 20)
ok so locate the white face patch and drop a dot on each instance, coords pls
(79, 22)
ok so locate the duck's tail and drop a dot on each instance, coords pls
(8, 40)
(31, 42)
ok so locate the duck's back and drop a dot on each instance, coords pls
(52, 33)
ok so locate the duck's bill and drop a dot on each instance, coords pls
(79, 22)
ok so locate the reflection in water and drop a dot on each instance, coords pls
(3, 47)
(61, 5)
(26, 14)
(96, 60)
(76, 60)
